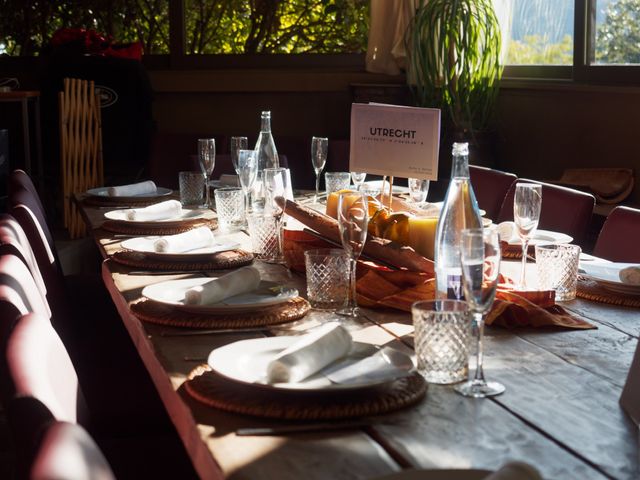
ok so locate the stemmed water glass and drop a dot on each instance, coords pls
(358, 179)
(418, 190)
(319, 147)
(526, 214)
(247, 170)
(480, 258)
(353, 218)
(237, 144)
(207, 159)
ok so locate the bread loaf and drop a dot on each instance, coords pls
(386, 251)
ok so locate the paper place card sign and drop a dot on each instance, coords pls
(630, 398)
(395, 140)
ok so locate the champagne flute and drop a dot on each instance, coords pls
(353, 218)
(480, 258)
(207, 159)
(237, 144)
(247, 170)
(276, 184)
(358, 179)
(526, 214)
(418, 190)
(319, 146)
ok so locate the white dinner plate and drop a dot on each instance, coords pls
(438, 207)
(145, 245)
(607, 275)
(246, 362)
(377, 185)
(103, 193)
(186, 214)
(545, 237)
(172, 293)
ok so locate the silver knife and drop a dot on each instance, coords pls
(307, 427)
(215, 331)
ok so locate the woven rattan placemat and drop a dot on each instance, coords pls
(215, 261)
(215, 391)
(590, 290)
(172, 229)
(158, 313)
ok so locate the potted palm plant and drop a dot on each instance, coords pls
(454, 63)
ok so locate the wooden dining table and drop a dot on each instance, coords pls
(559, 413)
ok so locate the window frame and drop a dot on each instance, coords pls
(582, 71)
(179, 59)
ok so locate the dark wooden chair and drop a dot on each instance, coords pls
(490, 187)
(563, 209)
(618, 239)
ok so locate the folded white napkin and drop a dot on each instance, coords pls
(508, 232)
(158, 211)
(515, 471)
(243, 280)
(200, 237)
(630, 275)
(133, 189)
(229, 180)
(310, 354)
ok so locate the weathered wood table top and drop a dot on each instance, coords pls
(560, 411)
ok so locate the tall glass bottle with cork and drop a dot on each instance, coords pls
(459, 211)
(266, 153)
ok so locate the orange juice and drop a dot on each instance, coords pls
(422, 235)
(332, 202)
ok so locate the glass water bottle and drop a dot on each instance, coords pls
(266, 153)
(459, 212)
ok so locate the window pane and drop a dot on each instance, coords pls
(26, 27)
(540, 32)
(617, 32)
(294, 26)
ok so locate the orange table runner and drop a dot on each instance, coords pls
(381, 287)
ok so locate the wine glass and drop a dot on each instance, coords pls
(480, 258)
(418, 190)
(358, 179)
(319, 146)
(207, 159)
(247, 170)
(276, 184)
(237, 144)
(526, 214)
(353, 218)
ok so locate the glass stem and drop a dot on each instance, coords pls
(245, 194)
(317, 187)
(206, 190)
(525, 250)
(479, 319)
(352, 284)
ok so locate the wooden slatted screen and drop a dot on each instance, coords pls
(80, 147)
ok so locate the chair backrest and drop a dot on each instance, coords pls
(563, 209)
(37, 365)
(26, 417)
(22, 208)
(13, 241)
(22, 194)
(20, 180)
(19, 294)
(490, 187)
(67, 452)
(618, 239)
